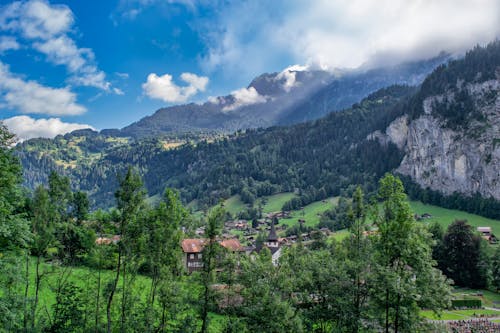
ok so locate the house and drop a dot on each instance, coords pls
(107, 240)
(193, 251)
(487, 235)
(193, 257)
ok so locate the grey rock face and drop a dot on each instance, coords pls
(465, 160)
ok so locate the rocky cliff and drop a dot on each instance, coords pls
(452, 156)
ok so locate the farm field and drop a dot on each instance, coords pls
(446, 216)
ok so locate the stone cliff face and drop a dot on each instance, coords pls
(464, 159)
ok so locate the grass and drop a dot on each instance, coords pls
(275, 202)
(311, 213)
(446, 216)
(489, 298)
(234, 205)
(458, 314)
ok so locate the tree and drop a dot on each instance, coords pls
(358, 261)
(463, 257)
(42, 223)
(210, 253)
(405, 278)
(129, 200)
(14, 233)
(162, 253)
(495, 269)
(267, 305)
(80, 206)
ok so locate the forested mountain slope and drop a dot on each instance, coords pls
(320, 158)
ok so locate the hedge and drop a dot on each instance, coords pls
(466, 303)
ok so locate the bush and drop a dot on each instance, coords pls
(466, 303)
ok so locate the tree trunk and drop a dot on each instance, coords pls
(37, 289)
(98, 296)
(124, 297)
(396, 319)
(26, 290)
(387, 311)
(111, 294)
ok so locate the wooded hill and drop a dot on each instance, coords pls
(316, 159)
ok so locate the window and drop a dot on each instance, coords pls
(191, 256)
(199, 255)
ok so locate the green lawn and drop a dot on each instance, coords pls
(446, 216)
(458, 314)
(275, 202)
(234, 205)
(489, 298)
(310, 213)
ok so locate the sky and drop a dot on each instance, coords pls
(66, 65)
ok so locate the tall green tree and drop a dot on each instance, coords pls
(495, 269)
(14, 234)
(163, 255)
(130, 198)
(463, 257)
(358, 261)
(405, 278)
(211, 250)
(42, 228)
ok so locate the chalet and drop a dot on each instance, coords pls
(107, 240)
(193, 251)
(193, 257)
(487, 235)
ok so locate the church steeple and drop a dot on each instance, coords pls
(272, 238)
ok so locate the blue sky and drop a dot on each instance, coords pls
(105, 64)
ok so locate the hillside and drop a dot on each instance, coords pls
(321, 158)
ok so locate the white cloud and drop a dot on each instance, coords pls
(163, 88)
(343, 33)
(288, 76)
(36, 19)
(25, 127)
(8, 43)
(32, 97)
(47, 27)
(243, 97)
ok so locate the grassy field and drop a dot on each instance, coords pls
(274, 203)
(459, 314)
(234, 205)
(488, 298)
(311, 213)
(446, 216)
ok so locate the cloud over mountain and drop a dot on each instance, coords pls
(25, 127)
(163, 87)
(343, 33)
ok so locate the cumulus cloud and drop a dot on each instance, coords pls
(8, 43)
(163, 88)
(25, 127)
(243, 97)
(32, 97)
(329, 34)
(47, 27)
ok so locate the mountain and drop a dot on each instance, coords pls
(451, 139)
(291, 96)
(443, 136)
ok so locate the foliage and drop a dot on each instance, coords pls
(462, 256)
